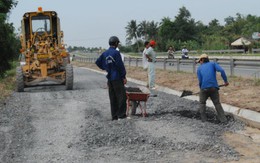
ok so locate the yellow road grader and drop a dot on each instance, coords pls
(44, 52)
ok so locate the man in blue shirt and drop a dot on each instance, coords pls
(208, 84)
(111, 61)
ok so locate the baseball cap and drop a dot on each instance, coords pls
(152, 42)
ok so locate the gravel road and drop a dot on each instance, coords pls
(50, 124)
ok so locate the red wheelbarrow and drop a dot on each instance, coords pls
(134, 98)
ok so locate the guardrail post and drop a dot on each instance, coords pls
(136, 62)
(164, 63)
(232, 65)
(178, 64)
(194, 65)
(129, 61)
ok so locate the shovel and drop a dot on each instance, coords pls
(189, 93)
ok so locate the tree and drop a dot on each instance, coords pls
(166, 29)
(143, 29)
(181, 29)
(166, 33)
(184, 26)
(9, 43)
(184, 30)
(7, 5)
(252, 25)
(152, 30)
(132, 31)
(214, 27)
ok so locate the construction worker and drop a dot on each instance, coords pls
(151, 58)
(144, 59)
(111, 61)
(209, 87)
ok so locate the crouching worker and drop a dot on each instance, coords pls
(208, 84)
(111, 61)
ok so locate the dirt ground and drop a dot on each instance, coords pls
(241, 92)
(5, 89)
(247, 143)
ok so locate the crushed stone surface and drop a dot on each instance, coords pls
(50, 124)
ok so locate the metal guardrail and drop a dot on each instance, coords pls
(215, 51)
(232, 63)
(228, 51)
(255, 51)
(196, 52)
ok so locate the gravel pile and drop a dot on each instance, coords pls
(159, 135)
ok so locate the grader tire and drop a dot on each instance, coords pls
(19, 79)
(69, 77)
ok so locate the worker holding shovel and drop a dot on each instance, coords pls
(209, 87)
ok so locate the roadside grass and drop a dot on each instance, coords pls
(7, 83)
(257, 82)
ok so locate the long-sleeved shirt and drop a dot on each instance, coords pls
(111, 61)
(206, 74)
(144, 59)
(150, 52)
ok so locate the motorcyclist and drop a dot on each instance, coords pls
(185, 52)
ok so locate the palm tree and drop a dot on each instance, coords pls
(143, 29)
(153, 29)
(132, 31)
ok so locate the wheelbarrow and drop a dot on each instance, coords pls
(134, 98)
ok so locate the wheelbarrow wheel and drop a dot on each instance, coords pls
(134, 105)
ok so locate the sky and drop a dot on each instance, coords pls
(90, 23)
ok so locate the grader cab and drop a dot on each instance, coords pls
(46, 59)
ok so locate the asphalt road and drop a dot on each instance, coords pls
(50, 124)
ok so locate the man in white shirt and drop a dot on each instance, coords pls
(151, 58)
(145, 62)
